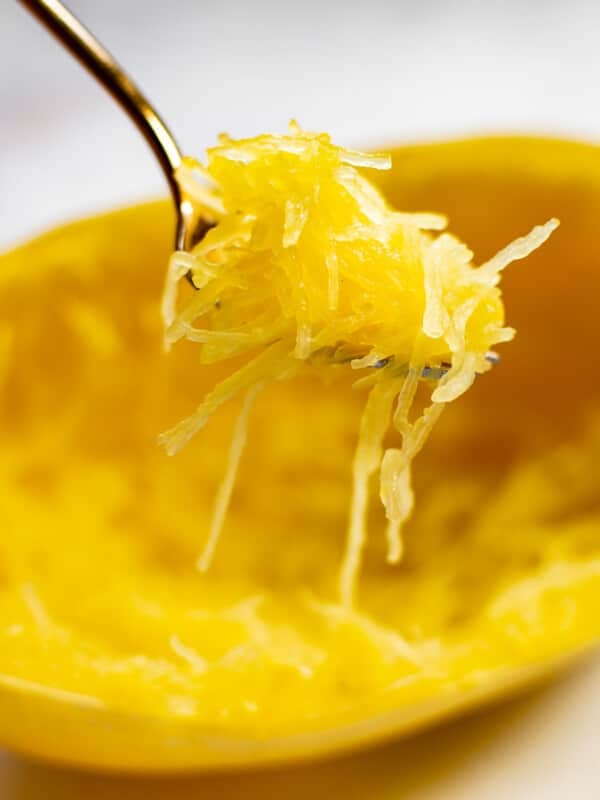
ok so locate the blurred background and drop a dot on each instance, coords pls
(372, 73)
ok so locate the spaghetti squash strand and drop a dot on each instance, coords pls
(373, 426)
(268, 365)
(223, 497)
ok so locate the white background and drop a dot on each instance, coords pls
(370, 72)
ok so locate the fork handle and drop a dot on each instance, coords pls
(78, 40)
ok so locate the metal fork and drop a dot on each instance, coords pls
(78, 40)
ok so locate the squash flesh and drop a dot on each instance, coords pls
(102, 613)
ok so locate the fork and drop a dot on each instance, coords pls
(78, 40)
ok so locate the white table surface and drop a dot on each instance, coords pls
(373, 72)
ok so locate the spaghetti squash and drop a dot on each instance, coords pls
(307, 265)
(116, 652)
